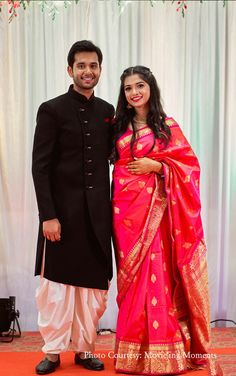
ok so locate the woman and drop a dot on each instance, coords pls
(163, 322)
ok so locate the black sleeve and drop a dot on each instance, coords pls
(43, 147)
(111, 126)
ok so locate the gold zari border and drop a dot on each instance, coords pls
(126, 140)
(170, 122)
(195, 278)
(152, 359)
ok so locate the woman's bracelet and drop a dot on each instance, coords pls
(161, 174)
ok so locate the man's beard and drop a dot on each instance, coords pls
(81, 85)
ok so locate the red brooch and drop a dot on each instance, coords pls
(107, 120)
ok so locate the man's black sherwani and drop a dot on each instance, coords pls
(71, 177)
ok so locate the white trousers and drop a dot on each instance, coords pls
(68, 313)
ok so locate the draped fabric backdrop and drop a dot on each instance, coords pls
(194, 60)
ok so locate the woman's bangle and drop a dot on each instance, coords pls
(161, 171)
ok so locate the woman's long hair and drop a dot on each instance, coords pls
(125, 115)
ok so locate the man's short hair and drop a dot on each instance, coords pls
(83, 46)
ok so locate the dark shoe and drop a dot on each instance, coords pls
(92, 363)
(46, 366)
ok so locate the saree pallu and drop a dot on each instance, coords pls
(163, 320)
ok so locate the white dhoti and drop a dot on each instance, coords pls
(68, 313)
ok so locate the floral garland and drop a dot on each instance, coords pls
(53, 6)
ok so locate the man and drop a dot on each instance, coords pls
(71, 177)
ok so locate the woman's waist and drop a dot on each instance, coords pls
(122, 172)
(123, 162)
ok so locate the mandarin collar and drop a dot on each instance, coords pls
(80, 97)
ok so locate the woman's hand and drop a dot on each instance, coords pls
(144, 166)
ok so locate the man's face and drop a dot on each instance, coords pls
(85, 72)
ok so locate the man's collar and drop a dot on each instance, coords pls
(80, 97)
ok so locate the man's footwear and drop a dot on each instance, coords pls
(92, 363)
(46, 366)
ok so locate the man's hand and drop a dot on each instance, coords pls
(52, 230)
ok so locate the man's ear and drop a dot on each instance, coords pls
(70, 71)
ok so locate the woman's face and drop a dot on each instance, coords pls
(137, 91)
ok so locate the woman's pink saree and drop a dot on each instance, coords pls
(163, 322)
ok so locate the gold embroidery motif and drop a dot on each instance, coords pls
(121, 181)
(178, 142)
(128, 222)
(173, 202)
(177, 334)
(164, 266)
(184, 326)
(121, 254)
(187, 179)
(116, 210)
(177, 232)
(153, 278)
(153, 256)
(189, 153)
(141, 184)
(166, 290)
(155, 324)
(197, 182)
(139, 146)
(154, 301)
(187, 245)
(149, 190)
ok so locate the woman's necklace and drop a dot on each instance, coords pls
(139, 121)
